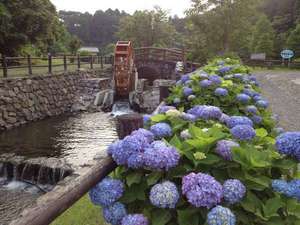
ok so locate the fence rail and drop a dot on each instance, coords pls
(272, 63)
(29, 63)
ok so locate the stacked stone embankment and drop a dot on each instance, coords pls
(32, 98)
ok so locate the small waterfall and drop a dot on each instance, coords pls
(121, 108)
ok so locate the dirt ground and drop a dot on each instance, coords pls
(282, 90)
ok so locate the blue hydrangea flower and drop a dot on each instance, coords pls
(257, 98)
(196, 110)
(134, 143)
(257, 119)
(234, 191)
(215, 79)
(223, 149)
(280, 186)
(238, 120)
(113, 147)
(243, 132)
(115, 213)
(107, 192)
(221, 92)
(146, 119)
(202, 190)
(211, 112)
(250, 92)
(289, 144)
(176, 101)
(158, 144)
(224, 118)
(135, 219)
(189, 117)
(165, 108)
(187, 91)
(118, 154)
(206, 83)
(294, 189)
(146, 133)
(221, 216)
(203, 75)
(185, 78)
(243, 98)
(252, 78)
(164, 195)
(161, 130)
(238, 76)
(161, 158)
(136, 161)
(252, 109)
(225, 69)
(262, 104)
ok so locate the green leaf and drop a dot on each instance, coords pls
(271, 207)
(158, 118)
(153, 178)
(210, 160)
(197, 132)
(133, 178)
(175, 141)
(188, 217)
(134, 192)
(261, 132)
(293, 207)
(160, 217)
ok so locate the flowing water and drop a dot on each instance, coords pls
(76, 139)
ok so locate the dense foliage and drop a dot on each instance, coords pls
(211, 156)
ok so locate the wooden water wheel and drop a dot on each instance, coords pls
(124, 69)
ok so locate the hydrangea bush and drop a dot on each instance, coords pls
(213, 155)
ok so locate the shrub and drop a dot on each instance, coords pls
(208, 162)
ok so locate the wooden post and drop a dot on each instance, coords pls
(65, 63)
(128, 123)
(92, 58)
(184, 60)
(29, 64)
(164, 92)
(4, 65)
(101, 60)
(78, 61)
(49, 63)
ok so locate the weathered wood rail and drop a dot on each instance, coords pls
(27, 63)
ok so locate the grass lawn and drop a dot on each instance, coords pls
(82, 212)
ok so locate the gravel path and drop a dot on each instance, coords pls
(282, 89)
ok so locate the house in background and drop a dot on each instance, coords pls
(90, 50)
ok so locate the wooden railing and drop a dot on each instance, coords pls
(29, 65)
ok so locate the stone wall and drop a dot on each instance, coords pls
(32, 98)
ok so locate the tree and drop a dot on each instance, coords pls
(74, 44)
(148, 28)
(263, 37)
(293, 41)
(25, 22)
(222, 26)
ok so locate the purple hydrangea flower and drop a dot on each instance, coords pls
(215, 79)
(196, 110)
(187, 91)
(135, 219)
(189, 117)
(135, 143)
(225, 69)
(158, 144)
(161, 158)
(221, 92)
(206, 83)
(211, 112)
(234, 191)
(243, 132)
(107, 192)
(113, 147)
(252, 78)
(146, 133)
(238, 76)
(114, 214)
(289, 144)
(165, 108)
(238, 120)
(223, 149)
(146, 119)
(252, 109)
(250, 92)
(118, 154)
(161, 130)
(243, 98)
(257, 119)
(164, 195)
(202, 190)
(262, 104)
(221, 216)
(257, 98)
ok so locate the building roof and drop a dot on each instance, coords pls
(89, 49)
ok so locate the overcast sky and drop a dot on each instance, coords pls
(175, 6)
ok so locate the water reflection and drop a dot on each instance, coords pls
(75, 138)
